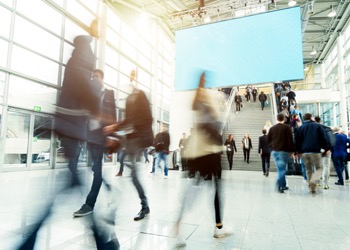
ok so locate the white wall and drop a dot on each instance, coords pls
(317, 95)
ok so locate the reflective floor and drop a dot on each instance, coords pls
(260, 217)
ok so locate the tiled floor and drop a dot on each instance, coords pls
(260, 217)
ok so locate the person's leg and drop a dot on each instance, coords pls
(245, 154)
(72, 149)
(303, 169)
(97, 155)
(267, 164)
(166, 166)
(338, 170)
(263, 161)
(317, 162)
(229, 159)
(280, 159)
(248, 154)
(326, 170)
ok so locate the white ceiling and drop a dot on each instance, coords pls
(319, 30)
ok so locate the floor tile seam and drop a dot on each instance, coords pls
(246, 225)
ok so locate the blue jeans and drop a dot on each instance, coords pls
(281, 160)
(163, 156)
(97, 156)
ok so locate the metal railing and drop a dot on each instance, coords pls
(226, 112)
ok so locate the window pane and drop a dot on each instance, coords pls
(42, 13)
(36, 38)
(124, 83)
(145, 62)
(129, 35)
(111, 76)
(129, 49)
(112, 57)
(112, 37)
(2, 85)
(126, 65)
(72, 30)
(41, 141)
(3, 52)
(145, 49)
(34, 65)
(113, 20)
(144, 78)
(7, 2)
(5, 20)
(27, 94)
(121, 99)
(78, 11)
(91, 4)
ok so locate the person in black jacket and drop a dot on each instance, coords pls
(137, 126)
(238, 102)
(96, 140)
(230, 146)
(161, 145)
(262, 98)
(265, 152)
(310, 138)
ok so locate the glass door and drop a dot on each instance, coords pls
(28, 140)
(17, 138)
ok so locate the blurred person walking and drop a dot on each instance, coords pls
(339, 154)
(238, 102)
(280, 140)
(230, 146)
(137, 126)
(204, 149)
(182, 146)
(161, 145)
(77, 102)
(265, 153)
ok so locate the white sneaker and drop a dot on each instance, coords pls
(223, 232)
(165, 177)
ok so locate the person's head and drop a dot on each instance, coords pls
(262, 92)
(133, 79)
(163, 127)
(296, 106)
(317, 119)
(280, 117)
(98, 75)
(307, 117)
(230, 136)
(246, 135)
(264, 131)
(183, 135)
(335, 130)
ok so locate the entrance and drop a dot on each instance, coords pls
(29, 140)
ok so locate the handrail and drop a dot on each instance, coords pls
(273, 104)
(227, 111)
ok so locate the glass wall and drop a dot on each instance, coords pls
(33, 54)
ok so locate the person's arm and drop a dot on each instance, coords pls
(234, 145)
(259, 146)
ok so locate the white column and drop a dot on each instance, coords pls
(341, 84)
(323, 76)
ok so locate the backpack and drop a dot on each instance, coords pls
(330, 136)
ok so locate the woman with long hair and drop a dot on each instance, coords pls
(230, 146)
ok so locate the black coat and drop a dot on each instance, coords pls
(79, 95)
(230, 145)
(264, 147)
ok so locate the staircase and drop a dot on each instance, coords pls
(251, 120)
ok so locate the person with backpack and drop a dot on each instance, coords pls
(326, 156)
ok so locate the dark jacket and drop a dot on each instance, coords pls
(280, 138)
(162, 142)
(264, 147)
(339, 149)
(310, 138)
(79, 94)
(230, 145)
(108, 117)
(238, 99)
(138, 120)
(262, 97)
(249, 143)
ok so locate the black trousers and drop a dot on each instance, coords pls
(265, 162)
(229, 158)
(246, 153)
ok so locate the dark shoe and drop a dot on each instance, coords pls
(285, 188)
(339, 183)
(280, 190)
(191, 176)
(142, 214)
(119, 174)
(207, 178)
(151, 172)
(83, 211)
